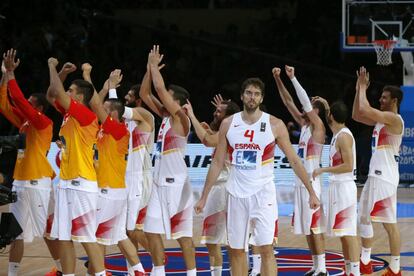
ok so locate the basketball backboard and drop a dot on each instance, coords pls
(365, 21)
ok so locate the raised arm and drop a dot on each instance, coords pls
(56, 90)
(216, 165)
(357, 109)
(282, 139)
(344, 144)
(173, 108)
(9, 112)
(325, 104)
(147, 97)
(207, 138)
(287, 98)
(97, 107)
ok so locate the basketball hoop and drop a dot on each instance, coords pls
(384, 49)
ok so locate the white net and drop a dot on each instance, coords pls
(384, 49)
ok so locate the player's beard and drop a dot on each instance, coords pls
(251, 108)
(131, 104)
(215, 124)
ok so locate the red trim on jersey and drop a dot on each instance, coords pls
(230, 150)
(177, 220)
(114, 128)
(171, 141)
(210, 223)
(141, 215)
(79, 223)
(104, 228)
(35, 117)
(316, 219)
(269, 151)
(383, 137)
(381, 207)
(337, 159)
(275, 235)
(343, 217)
(81, 113)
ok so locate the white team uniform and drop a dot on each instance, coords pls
(170, 208)
(215, 212)
(341, 211)
(378, 200)
(138, 173)
(111, 215)
(304, 218)
(252, 206)
(31, 208)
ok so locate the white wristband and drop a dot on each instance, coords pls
(128, 113)
(303, 97)
(112, 93)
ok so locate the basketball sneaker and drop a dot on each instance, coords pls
(365, 268)
(309, 273)
(139, 273)
(389, 272)
(54, 272)
(321, 273)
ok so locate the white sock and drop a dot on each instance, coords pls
(102, 273)
(257, 262)
(354, 269)
(216, 270)
(138, 267)
(320, 263)
(13, 268)
(365, 255)
(395, 264)
(158, 271)
(192, 272)
(86, 274)
(314, 262)
(72, 274)
(58, 265)
(129, 268)
(347, 267)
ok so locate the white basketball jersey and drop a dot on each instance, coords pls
(251, 150)
(309, 150)
(140, 148)
(335, 159)
(385, 153)
(170, 167)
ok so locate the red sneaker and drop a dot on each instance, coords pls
(389, 272)
(54, 272)
(139, 273)
(108, 273)
(365, 268)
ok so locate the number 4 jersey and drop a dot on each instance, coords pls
(251, 149)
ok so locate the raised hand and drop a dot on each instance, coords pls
(189, 109)
(3, 68)
(68, 68)
(86, 68)
(290, 71)
(53, 62)
(276, 72)
(10, 64)
(154, 57)
(115, 78)
(363, 77)
(217, 100)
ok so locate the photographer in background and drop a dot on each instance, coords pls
(32, 173)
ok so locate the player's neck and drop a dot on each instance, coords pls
(335, 127)
(251, 117)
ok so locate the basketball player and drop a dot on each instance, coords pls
(249, 137)
(77, 193)
(305, 220)
(342, 195)
(378, 202)
(169, 210)
(32, 172)
(140, 124)
(214, 233)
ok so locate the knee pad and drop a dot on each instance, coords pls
(366, 230)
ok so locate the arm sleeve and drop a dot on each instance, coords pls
(39, 120)
(11, 113)
(81, 113)
(114, 128)
(303, 97)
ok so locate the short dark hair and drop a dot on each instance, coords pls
(41, 100)
(256, 82)
(180, 93)
(395, 92)
(339, 112)
(116, 105)
(85, 88)
(231, 108)
(135, 88)
(319, 105)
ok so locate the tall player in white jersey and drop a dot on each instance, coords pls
(306, 221)
(170, 206)
(214, 233)
(378, 202)
(249, 138)
(342, 195)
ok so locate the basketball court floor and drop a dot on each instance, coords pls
(292, 256)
